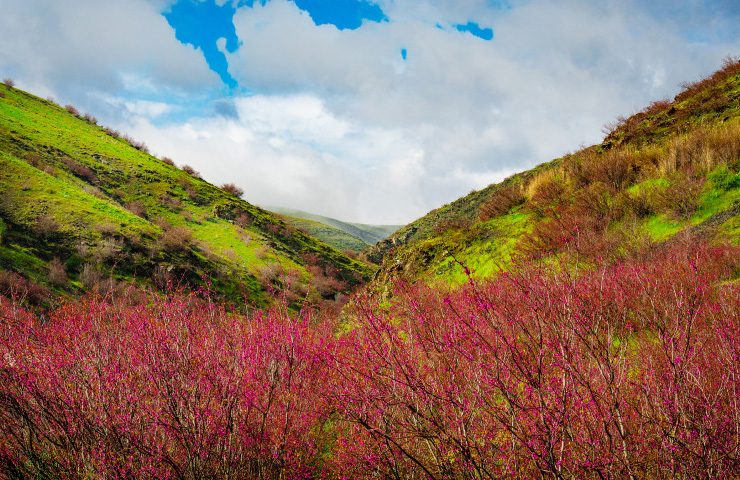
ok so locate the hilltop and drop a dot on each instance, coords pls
(670, 168)
(84, 207)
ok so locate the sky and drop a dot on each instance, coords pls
(374, 111)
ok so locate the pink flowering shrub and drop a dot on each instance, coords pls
(627, 371)
(176, 389)
(624, 371)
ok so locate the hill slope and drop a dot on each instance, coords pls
(670, 168)
(81, 205)
(367, 234)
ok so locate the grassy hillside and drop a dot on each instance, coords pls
(670, 168)
(368, 234)
(83, 207)
(335, 237)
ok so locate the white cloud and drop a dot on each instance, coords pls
(338, 122)
(74, 47)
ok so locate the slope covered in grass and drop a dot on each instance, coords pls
(671, 168)
(368, 234)
(83, 207)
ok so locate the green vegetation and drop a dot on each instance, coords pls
(367, 234)
(96, 200)
(671, 168)
(335, 237)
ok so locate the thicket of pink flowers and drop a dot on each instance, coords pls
(629, 370)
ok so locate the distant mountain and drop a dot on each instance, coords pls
(367, 234)
(671, 168)
(83, 206)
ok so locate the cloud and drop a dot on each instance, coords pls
(74, 47)
(338, 121)
(289, 150)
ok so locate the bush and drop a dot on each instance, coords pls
(682, 196)
(81, 171)
(137, 208)
(175, 239)
(21, 290)
(232, 189)
(9, 83)
(190, 171)
(621, 371)
(500, 202)
(168, 161)
(46, 226)
(90, 119)
(91, 277)
(111, 132)
(57, 273)
(72, 109)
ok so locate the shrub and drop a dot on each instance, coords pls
(81, 171)
(243, 220)
(111, 132)
(682, 196)
(33, 159)
(621, 371)
(46, 226)
(500, 202)
(190, 171)
(2, 95)
(232, 189)
(21, 290)
(168, 161)
(175, 239)
(137, 208)
(9, 83)
(57, 273)
(72, 109)
(91, 277)
(90, 119)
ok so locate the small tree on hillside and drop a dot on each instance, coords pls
(9, 83)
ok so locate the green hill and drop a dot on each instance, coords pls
(367, 234)
(335, 237)
(670, 168)
(82, 207)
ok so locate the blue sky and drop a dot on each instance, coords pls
(367, 110)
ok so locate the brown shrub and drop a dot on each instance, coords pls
(79, 170)
(243, 220)
(594, 201)
(545, 192)
(113, 133)
(18, 288)
(168, 161)
(46, 225)
(91, 277)
(71, 109)
(500, 202)
(9, 83)
(90, 119)
(451, 224)
(232, 189)
(137, 208)
(33, 159)
(190, 171)
(2, 95)
(57, 273)
(176, 239)
(681, 198)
